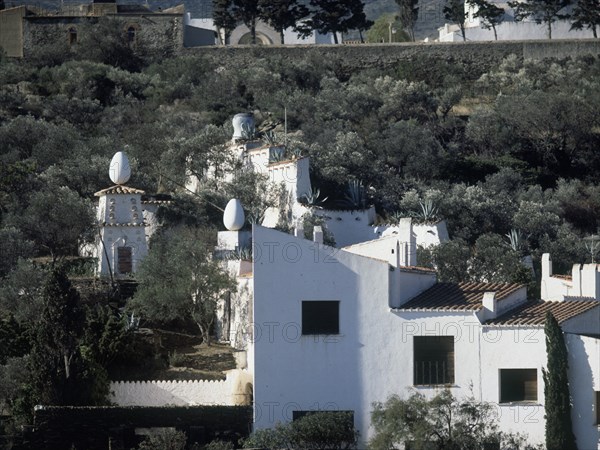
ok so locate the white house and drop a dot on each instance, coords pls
(291, 172)
(339, 329)
(202, 31)
(509, 29)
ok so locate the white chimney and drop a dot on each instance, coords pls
(318, 234)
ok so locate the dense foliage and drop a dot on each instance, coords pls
(443, 422)
(316, 430)
(508, 156)
(179, 280)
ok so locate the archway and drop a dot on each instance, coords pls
(261, 39)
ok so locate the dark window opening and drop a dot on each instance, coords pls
(597, 407)
(131, 31)
(320, 317)
(518, 385)
(124, 260)
(72, 35)
(433, 360)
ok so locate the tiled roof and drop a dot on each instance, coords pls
(458, 296)
(416, 269)
(117, 189)
(120, 224)
(534, 312)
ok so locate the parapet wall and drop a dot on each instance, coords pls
(478, 56)
(229, 392)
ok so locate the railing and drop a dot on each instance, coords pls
(432, 373)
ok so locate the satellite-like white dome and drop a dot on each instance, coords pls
(243, 125)
(233, 216)
(120, 170)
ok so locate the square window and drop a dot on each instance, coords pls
(518, 385)
(433, 360)
(320, 317)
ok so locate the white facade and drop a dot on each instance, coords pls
(122, 241)
(373, 356)
(202, 31)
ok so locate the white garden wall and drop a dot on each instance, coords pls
(231, 391)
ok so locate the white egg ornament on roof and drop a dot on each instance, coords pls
(120, 170)
(233, 216)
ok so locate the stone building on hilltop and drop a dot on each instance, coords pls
(25, 29)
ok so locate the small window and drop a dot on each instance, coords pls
(72, 35)
(597, 407)
(320, 317)
(518, 385)
(131, 31)
(433, 360)
(124, 263)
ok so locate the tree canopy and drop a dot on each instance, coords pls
(540, 11)
(179, 280)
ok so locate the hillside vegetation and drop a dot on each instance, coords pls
(508, 157)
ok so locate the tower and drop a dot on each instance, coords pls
(122, 236)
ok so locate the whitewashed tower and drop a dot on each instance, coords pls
(122, 237)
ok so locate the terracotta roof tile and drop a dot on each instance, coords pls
(118, 189)
(458, 297)
(534, 312)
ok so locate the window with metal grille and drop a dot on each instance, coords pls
(124, 260)
(320, 317)
(433, 360)
(518, 385)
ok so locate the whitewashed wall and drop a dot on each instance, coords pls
(584, 379)
(231, 391)
(372, 356)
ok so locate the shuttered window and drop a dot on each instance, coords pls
(433, 360)
(124, 260)
(518, 385)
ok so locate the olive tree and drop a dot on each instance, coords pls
(179, 280)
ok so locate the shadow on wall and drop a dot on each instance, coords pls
(584, 395)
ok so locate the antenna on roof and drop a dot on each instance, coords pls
(285, 126)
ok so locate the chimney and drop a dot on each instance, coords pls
(318, 235)
(546, 266)
(490, 306)
(299, 229)
(408, 242)
(395, 255)
(589, 281)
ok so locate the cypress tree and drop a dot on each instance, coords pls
(559, 430)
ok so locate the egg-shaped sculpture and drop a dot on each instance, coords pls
(120, 170)
(243, 126)
(233, 216)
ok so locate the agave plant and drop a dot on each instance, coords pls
(312, 198)
(248, 132)
(428, 213)
(277, 154)
(271, 138)
(516, 240)
(592, 244)
(356, 195)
